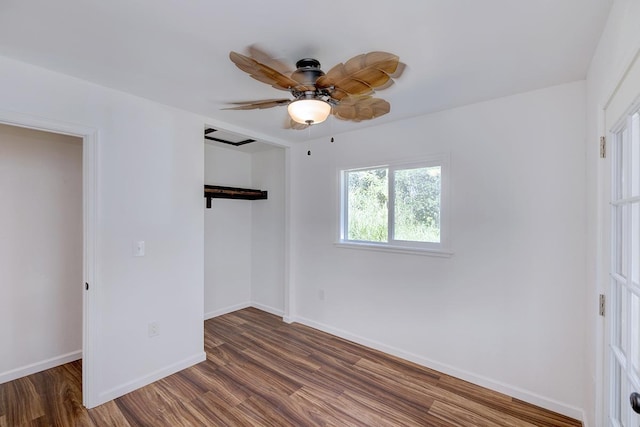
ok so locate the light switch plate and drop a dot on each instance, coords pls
(138, 248)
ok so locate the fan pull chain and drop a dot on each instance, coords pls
(332, 118)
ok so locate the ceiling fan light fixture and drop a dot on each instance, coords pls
(309, 111)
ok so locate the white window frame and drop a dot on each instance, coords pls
(440, 249)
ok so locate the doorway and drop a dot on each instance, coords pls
(89, 139)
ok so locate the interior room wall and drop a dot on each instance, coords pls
(150, 171)
(40, 250)
(619, 43)
(507, 309)
(268, 231)
(227, 229)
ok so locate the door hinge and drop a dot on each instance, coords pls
(603, 147)
(601, 304)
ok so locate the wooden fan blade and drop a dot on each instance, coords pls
(399, 71)
(358, 109)
(265, 58)
(362, 74)
(387, 62)
(262, 72)
(254, 105)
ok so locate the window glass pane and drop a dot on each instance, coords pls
(618, 241)
(635, 243)
(624, 164)
(624, 403)
(367, 201)
(615, 403)
(417, 204)
(616, 321)
(635, 155)
(624, 311)
(634, 345)
(618, 164)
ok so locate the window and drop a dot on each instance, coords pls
(396, 206)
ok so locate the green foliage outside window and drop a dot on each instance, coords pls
(368, 199)
(416, 209)
(417, 204)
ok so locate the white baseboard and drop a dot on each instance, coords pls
(226, 310)
(236, 307)
(23, 371)
(519, 393)
(123, 389)
(288, 319)
(268, 309)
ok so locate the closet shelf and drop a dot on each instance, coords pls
(219, 192)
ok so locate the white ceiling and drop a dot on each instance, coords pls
(175, 52)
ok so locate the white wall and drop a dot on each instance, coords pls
(618, 44)
(227, 234)
(150, 176)
(268, 231)
(507, 309)
(40, 249)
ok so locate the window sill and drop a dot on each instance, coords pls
(440, 253)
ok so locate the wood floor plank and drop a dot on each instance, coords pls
(459, 417)
(323, 408)
(211, 340)
(262, 372)
(505, 404)
(365, 414)
(61, 395)
(108, 415)
(321, 344)
(260, 380)
(277, 411)
(300, 375)
(408, 369)
(180, 414)
(533, 414)
(260, 319)
(224, 354)
(218, 411)
(180, 387)
(390, 409)
(22, 401)
(142, 406)
(273, 343)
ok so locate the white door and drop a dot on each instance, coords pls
(622, 121)
(624, 334)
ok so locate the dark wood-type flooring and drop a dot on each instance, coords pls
(263, 372)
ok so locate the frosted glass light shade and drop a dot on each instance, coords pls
(309, 111)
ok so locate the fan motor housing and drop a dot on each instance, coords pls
(308, 71)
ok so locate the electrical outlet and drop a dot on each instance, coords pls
(154, 329)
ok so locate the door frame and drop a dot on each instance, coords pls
(603, 249)
(89, 137)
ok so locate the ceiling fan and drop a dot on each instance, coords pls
(346, 90)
